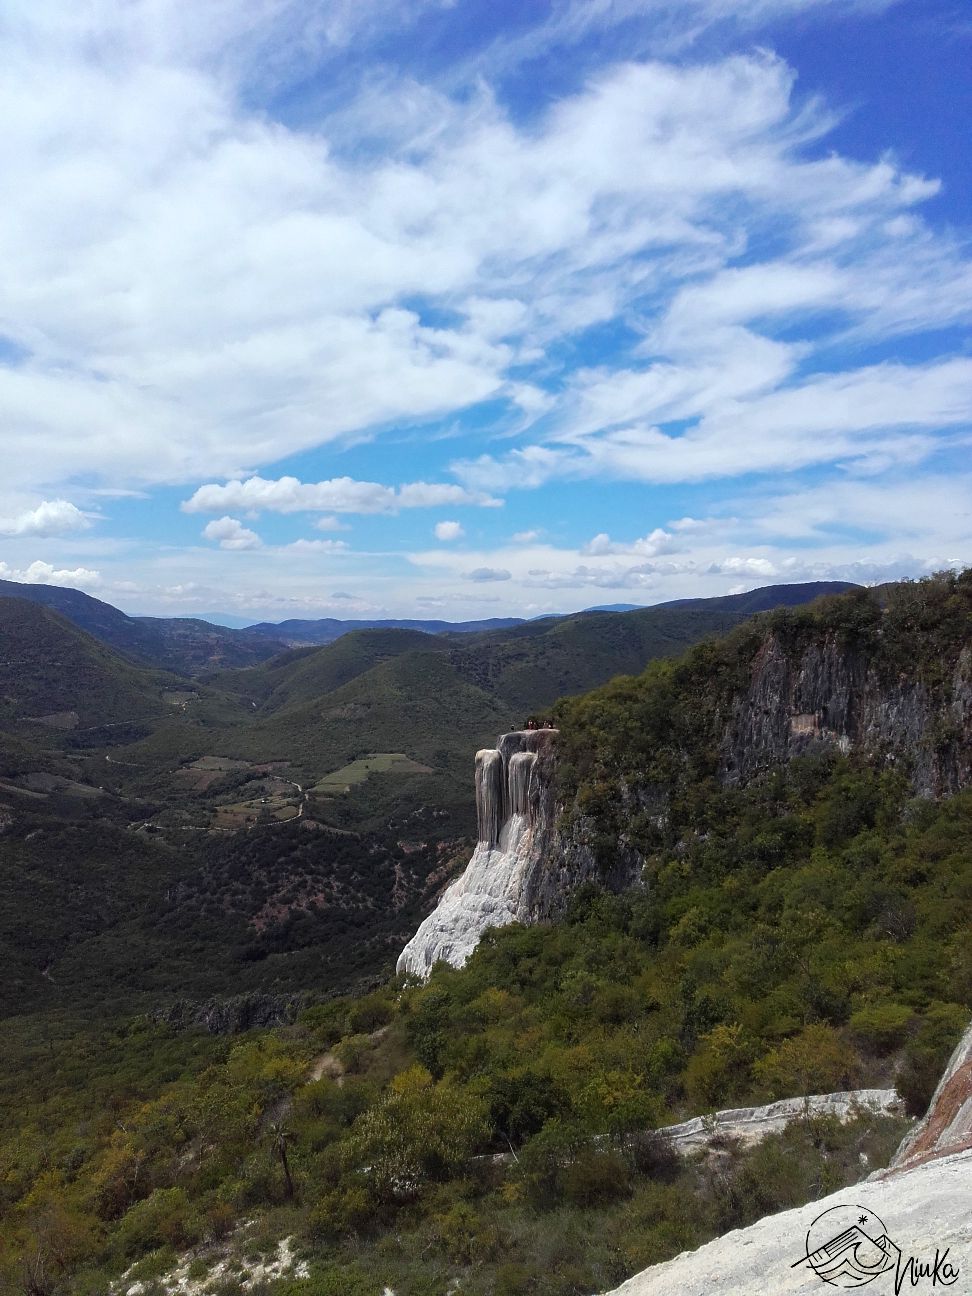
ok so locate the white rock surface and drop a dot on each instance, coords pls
(751, 1124)
(923, 1209)
(486, 895)
(225, 1265)
(490, 893)
(924, 1200)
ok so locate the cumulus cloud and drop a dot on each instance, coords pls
(448, 531)
(658, 541)
(526, 537)
(231, 534)
(45, 573)
(482, 574)
(50, 518)
(740, 565)
(340, 495)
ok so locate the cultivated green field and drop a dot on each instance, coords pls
(356, 771)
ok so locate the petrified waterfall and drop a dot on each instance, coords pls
(489, 795)
(514, 812)
(518, 782)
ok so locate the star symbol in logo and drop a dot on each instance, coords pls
(862, 1219)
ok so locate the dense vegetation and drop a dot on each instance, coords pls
(813, 939)
(489, 1132)
(101, 917)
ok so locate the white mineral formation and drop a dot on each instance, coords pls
(512, 810)
(753, 1124)
(922, 1204)
(924, 1211)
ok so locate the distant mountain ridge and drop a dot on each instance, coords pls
(180, 644)
(192, 646)
(298, 633)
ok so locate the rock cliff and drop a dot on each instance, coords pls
(885, 679)
(829, 694)
(515, 815)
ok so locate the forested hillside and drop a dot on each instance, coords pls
(793, 929)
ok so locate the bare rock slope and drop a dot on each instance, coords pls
(921, 1207)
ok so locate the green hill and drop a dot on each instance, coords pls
(181, 644)
(48, 665)
(797, 924)
(437, 698)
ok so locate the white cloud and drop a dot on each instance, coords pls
(231, 534)
(872, 417)
(45, 573)
(448, 531)
(657, 542)
(340, 494)
(233, 287)
(197, 292)
(49, 518)
(740, 565)
(317, 546)
(487, 574)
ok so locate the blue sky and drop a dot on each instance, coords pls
(458, 309)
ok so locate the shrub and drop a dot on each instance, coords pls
(881, 1027)
(926, 1055)
(815, 1061)
(163, 1219)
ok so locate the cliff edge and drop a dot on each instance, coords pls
(515, 816)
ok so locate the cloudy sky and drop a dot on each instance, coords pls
(480, 307)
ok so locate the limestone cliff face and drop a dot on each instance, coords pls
(515, 813)
(827, 695)
(794, 696)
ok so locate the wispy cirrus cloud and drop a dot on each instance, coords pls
(661, 273)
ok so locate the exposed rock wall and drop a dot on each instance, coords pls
(799, 697)
(947, 1128)
(827, 695)
(515, 814)
(253, 1010)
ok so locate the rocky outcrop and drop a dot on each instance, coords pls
(827, 695)
(917, 1210)
(947, 1128)
(750, 1125)
(233, 1015)
(515, 814)
(792, 693)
